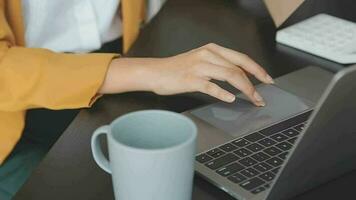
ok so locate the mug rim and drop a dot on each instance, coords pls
(159, 150)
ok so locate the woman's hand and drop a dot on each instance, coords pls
(187, 72)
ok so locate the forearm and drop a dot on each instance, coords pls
(39, 78)
(127, 75)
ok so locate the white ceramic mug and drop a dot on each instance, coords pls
(151, 155)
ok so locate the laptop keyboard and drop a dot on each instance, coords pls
(254, 160)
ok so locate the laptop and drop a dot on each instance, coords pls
(303, 137)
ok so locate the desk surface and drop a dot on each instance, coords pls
(69, 172)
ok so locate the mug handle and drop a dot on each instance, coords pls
(98, 155)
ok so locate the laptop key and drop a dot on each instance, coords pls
(275, 170)
(273, 129)
(275, 162)
(299, 127)
(285, 124)
(268, 176)
(260, 156)
(252, 183)
(254, 137)
(272, 151)
(258, 190)
(290, 132)
(267, 185)
(223, 160)
(292, 140)
(203, 158)
(247, 162)
(283, 155)
(279, 137)
(230, 169)
(240, 142)
(250, 172)
(267, 142)
(215, 152)
(285, 146)
(237, 178)
(254, 147)
(228, 147)
(242, 152)
(262, 167)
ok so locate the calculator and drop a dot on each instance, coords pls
(323, 35)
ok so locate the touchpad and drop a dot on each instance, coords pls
(242, 116)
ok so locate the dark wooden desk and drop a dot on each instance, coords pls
(69, 172)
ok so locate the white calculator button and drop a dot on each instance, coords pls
(323, 35)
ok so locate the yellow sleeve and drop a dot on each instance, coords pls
(33, 78)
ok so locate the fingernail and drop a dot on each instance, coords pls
(261, 104)
(269, 79)
(259, 99)
(230, 98)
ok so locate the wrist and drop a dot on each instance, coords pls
(126, 75)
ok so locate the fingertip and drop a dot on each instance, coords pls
(269, 79)
(230, 98)
(258, 100)
(260, 104)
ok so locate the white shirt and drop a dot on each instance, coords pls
(75, 25)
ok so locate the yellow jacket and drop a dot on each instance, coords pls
(39, 78)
